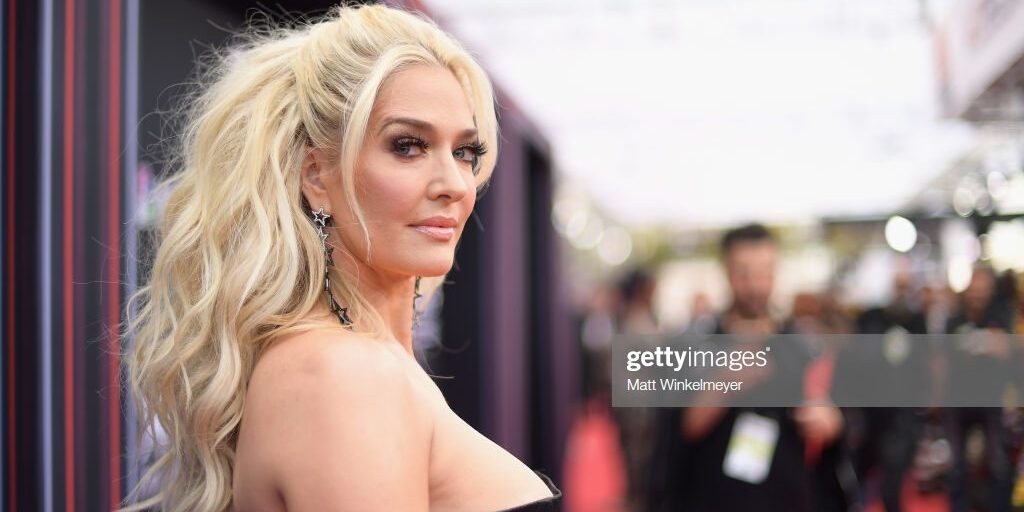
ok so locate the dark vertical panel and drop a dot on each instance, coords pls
(89, 274)
(22, 238)
(90, 253)
(4, 247)
(462, 319)
(506, 253)
(132, 199)
(553, 371)
(61, 75)
(112, 230)
(536, 206)
(67, 275)
(45, 216)
(10, 481)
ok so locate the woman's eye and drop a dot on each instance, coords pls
(409, 146)
(471, 154)
(465, 155)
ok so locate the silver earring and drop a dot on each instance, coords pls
(415, 296)
(320, 219)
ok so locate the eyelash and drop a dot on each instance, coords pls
(401, 142)
(405, 141)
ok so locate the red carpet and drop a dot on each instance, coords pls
(914, 501)
(594, 472)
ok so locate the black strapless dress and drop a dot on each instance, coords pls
(552, 504)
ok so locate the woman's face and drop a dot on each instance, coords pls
(414, 176)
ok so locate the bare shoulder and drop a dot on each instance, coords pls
(335, 373)
(340, 421)
(339, 357)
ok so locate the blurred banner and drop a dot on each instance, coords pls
(978, 50)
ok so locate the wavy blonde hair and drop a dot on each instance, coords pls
(238, 262)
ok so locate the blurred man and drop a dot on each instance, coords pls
(637, 317)
(936, 307)
(898, 365)
(981, 358)
(707, 474)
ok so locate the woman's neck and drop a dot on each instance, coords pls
(391, 295)
(393, 300)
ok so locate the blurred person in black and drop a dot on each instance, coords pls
(884, 439)
(690, 472)
(982, 362)
(637, 313)
(1007, 297)
(936, 304)
(597, 325)
(636, 317)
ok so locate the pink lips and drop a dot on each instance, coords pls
(438, 228)
(443, 234)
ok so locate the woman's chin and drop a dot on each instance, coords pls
(436, 268)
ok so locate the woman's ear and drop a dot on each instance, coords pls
(315, 176)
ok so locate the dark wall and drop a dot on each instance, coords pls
(64, 203)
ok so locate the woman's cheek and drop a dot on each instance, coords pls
(387, 191)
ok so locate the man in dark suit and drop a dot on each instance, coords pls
(696, 444)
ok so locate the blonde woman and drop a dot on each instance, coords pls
(324, 170)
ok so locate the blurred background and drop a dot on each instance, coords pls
(876, 145)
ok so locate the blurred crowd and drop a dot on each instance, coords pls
(819, 457)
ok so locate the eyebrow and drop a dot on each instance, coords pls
(423, 125)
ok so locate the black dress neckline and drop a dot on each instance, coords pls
(552, 503)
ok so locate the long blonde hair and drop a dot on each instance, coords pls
(238, 262)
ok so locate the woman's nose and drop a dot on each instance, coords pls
(449, 180)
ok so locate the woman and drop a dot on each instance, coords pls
(325, 170)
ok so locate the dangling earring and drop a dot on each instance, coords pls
(415, 296)
(320, 219)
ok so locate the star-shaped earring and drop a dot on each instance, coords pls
(320, 217)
